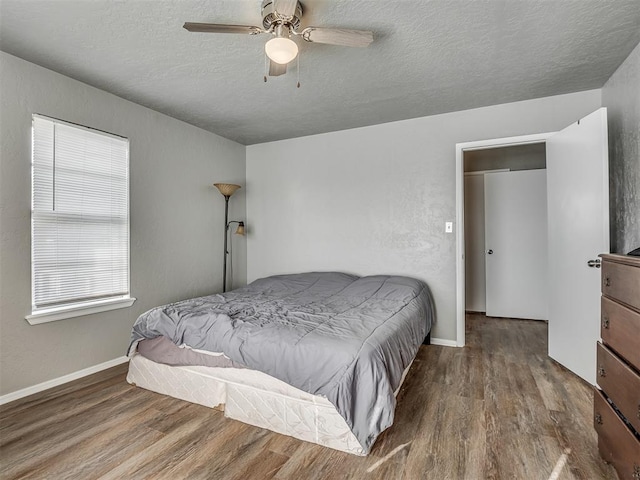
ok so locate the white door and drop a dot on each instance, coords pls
(515, 205)
(578, 217)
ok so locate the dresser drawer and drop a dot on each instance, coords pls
(621, 282)
(620, 329)
(620, 383)
(616, 443)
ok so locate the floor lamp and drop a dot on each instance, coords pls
(228, 189)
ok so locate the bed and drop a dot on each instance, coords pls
(318, 356)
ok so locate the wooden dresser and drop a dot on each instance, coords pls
(617, 400)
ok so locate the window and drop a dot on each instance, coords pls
(79, 221)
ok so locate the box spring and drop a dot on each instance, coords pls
(251, 397)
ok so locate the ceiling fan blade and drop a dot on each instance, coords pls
(338, 36)
(285, 8)
(219, 28)
(277, 69)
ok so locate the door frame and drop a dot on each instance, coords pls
(460, 247)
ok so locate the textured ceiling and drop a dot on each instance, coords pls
(428, 57)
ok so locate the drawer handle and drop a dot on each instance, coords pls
(605, 322)
(602, 372)
(607, 282)
(636, 471)
(598, 419)
(638, 413)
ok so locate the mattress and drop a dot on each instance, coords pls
(251, 397)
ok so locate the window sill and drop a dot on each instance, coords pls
(60, 313)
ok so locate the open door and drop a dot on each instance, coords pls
(578, 222)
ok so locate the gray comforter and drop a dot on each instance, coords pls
(344, 337)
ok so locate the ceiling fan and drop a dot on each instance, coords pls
(281, 18)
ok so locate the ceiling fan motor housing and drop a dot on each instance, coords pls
(270, 17)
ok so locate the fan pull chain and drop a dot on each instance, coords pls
(266, 67)
(298, 65)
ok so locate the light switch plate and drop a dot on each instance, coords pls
(448, 227)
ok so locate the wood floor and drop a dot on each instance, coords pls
(496, 409)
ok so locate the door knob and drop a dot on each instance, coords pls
(595, 263)
(490, 252)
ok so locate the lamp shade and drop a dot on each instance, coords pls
(281, 50)
(226, 189)
(240, 229)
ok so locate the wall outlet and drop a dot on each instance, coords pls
(448, 227)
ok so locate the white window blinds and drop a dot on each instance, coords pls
(80, 217)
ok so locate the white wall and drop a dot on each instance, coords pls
(474, 251)
(177, 219)
(519, 157)
(375, 199)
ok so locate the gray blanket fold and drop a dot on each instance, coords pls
(344, 337)
(163, 350)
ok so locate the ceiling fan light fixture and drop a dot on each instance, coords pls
(281, 20)
(281, 50)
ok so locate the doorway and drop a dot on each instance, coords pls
(506, 231)
(461, 150)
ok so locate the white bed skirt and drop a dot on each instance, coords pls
(252, 397)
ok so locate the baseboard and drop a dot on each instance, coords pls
(25, 392)
(444, 342)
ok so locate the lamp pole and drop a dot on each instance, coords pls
(226, 231)
(226, 189)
